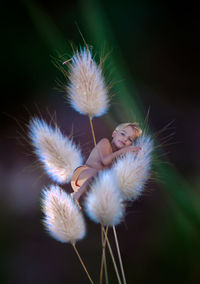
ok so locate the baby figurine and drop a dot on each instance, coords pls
(103, 155)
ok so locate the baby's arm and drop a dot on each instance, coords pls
(106, 154)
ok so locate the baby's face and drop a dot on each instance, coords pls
(123, 138)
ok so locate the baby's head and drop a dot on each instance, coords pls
(125, 134)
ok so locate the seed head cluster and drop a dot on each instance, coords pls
(62, 218)
(57, 153)
(86, 91)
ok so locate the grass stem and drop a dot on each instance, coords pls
(81, 261)
(112, 256)
(93, 135)
(119, 255)
(103, 258)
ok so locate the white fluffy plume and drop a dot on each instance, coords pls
(133, 170)
(86, 89)
(58, 154)
(63, 219)
(104, 202)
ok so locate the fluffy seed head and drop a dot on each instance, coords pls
(133, 170)
(58, 154)
(87, 91)
(104, 203)
(63, 220)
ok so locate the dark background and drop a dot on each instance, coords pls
(155, 46)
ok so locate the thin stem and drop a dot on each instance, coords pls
(112, 256)
(103, 258)
(119, 254)
(82, 263)
(106, 271)
(92, 129)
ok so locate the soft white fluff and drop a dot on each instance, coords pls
(58, 154)
(133, 170)
(87, 91)
(63, 219)
(104, 203)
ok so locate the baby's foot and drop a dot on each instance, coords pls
(75, 199)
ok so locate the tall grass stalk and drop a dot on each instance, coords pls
(103, 258)
(83, 265)
(119, 255)
(112, 256)
(92, 129)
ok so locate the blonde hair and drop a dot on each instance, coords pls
(134, 125)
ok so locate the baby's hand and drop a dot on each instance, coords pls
(138, 148)
(131, 149)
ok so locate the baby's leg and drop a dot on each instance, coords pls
(83, 181)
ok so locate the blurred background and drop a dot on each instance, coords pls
(153, 65)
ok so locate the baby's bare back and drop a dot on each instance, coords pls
(94, 159)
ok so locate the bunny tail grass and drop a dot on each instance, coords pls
(104, 203)
(58, 154)
(86, 89)
(62, 218)
(133, 170)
